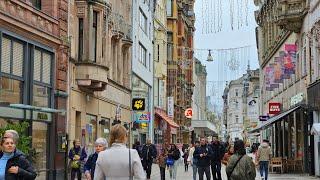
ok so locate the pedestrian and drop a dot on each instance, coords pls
(192, 160)
(218, 153)
(240, 165)
(161, 160)
(15, 136)
(227, 155)
(203, 154)
(174, 155)
(263, 157)
(149, 153)
(137, 146)
(185, 160)
(13, 164)
(76, 156)
(89, 167)
(114, 162)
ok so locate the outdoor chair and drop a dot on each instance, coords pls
(276, 163)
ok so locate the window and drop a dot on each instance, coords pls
(91, 132)
(169, 8)
(150, 60)
(170, 46)
(237, 92)
(143, 21)
(36, 3)
(80, 50)
(94, 35)
(142, 55)
(237, 119)
(158, 52)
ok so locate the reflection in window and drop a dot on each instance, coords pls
(91, 132)
(40, 96)
(39, 143)
(10, 90)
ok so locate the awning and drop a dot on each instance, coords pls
(274, 119)
(166, 118)
(315, 130)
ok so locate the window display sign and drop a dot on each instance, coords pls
(274, 108)
(142, 117)
(170, 107)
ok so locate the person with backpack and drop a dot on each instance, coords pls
(173, 160)
(240, 165)
(76, 156)
(149, 153)
(203, 154)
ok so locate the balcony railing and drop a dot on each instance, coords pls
(120, 27)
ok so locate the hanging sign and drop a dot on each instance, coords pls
(170, 107)
(142, 117)
(188, 113)
(274, 108)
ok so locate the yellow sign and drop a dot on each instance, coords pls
(138, 104)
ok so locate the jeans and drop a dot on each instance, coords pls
(194, 171)
(202, 170)
(147, 168)
(264, 165)
(216, 170)
(173, 170)
(162, 173)
(186, 166)
(75, 172)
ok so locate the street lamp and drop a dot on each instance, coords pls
(210, 58)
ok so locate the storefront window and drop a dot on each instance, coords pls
(40, 96)
(91, 132)
(105, 128)
(10, 90)
(39, 143)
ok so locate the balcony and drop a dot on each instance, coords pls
(120, 27)
(91, 76)
(291, 14)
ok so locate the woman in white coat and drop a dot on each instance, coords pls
(113, 163)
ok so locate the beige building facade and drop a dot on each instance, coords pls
(100, 68)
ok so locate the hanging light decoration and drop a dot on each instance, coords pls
(210, 58)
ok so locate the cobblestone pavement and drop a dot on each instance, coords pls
(182, 175)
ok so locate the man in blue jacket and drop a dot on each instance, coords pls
(203, 154)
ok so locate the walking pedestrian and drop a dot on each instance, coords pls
(263, 157)
(89, 167)
(203, 154)
(227, 155)
(76, 156)
(161, 160)
(192, 160)
(149, 153)
(218, 153)
(185, 160)
(13, 164)
(240, 165)
(173, 154)
(137, 146)
(114, 163)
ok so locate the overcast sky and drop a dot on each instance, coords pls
(218, 71)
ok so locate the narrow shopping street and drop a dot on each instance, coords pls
(182, 175)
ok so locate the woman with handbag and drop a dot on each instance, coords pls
(119, 162)
(161, 160)
(76, 156)
(240, 165)
(172, 162)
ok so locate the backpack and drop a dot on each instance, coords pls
(75, 164)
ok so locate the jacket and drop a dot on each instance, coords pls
(79, 151)
(25, 172)
(191, 159)
(264, 152)
(113, 164)
(174, 154)
(203, 161)
(245, 169)
(90, 165)
(149, 152)
(217, 151)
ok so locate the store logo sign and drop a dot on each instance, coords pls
(142, 117)
(274, 108)
(138, 104)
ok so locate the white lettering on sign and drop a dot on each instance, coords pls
(274, 108)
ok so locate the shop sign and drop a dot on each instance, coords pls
(42, 116)
(274, 108)
(138, 104)
(263, 118)
(296, 99)
(188, 113)
(142, 117)
(158, 131)
(170, 107)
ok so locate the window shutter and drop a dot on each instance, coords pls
(17, 59)
(5, 55)
(46, 71)
(37, 65)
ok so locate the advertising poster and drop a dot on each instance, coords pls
(278, 70)
(267, 78)
(273, 84)
(290, 58)
(170, 107)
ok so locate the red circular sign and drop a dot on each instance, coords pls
(188, 113)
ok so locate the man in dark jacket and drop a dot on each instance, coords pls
(149, 152)
(218, 153)
(203, 154)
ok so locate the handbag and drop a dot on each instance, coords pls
(169, 161)
(229, 176)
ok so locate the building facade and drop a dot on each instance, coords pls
(286, 58)
(33, 78)
(142, 63)
(180, 24)
(100, 68)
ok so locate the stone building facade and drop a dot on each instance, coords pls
(100, 68)
(34, 50)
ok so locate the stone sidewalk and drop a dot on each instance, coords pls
(182, 175)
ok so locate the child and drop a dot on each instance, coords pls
(185, 157)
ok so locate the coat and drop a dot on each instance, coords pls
(217, 151)
(25, 172)
(245, 169)
(149, 152)
(113, 164)
(203, 161)
(90, 165)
